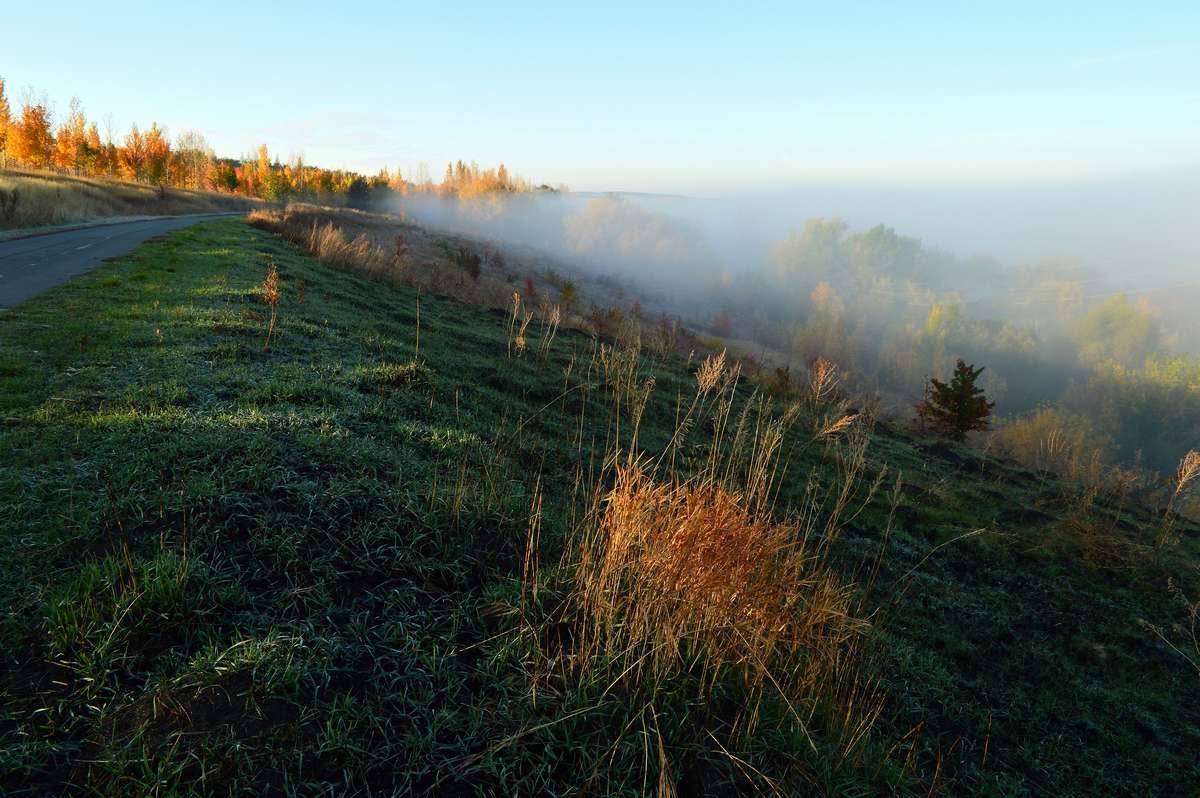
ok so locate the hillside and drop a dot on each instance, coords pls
(32, 200)
(350, 562)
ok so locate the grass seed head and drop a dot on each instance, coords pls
(270, 286)
(710, 372)
(1189, 469)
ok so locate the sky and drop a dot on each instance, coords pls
(683, 98)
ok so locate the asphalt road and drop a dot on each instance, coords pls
(29, 266)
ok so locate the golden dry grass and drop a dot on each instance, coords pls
(689, 564)
(1053, 440)
(367, 244)
(334, 247)
(43, 199)
(687, 570)
(825, 381)
(479, 272)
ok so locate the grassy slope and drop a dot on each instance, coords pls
(46, 199)
(302, 557)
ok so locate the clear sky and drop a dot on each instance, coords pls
(651, 97)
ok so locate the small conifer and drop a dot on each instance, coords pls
(956, 408)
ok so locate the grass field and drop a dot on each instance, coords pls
(32, 200)
(312, 568)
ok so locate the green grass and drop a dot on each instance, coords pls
(230, 570)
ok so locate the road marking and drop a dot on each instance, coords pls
(85, 246)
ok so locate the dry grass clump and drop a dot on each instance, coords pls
(328, 241)
(1057, 441)
(682, 567)
(335, 248)
(520, 314)
(663, 339)
(1095, 537)
(384, 248)
(1062, 443)
(822, 399)
(263, 217)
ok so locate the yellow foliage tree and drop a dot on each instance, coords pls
(132, 156)
(5, 121)
(30, 139)
(97, 161)
(70, 146)
(158, 155)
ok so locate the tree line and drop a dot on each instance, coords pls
(1113, 370)
(31, 138)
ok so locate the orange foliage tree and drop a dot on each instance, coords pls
(468, 180)
(158, 155)
(30, 139)
(133, 155)
(70, 145)
(27, 139)
(5, 121)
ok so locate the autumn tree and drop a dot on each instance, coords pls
(957, 408)
(397, 183)
(158, 155)
(30, 140)
(133, 155)
(298, 171)
(1120, 331)
(467, 180)
(224, 177)
(824, 332)
(321, 181)
(5, 122)
(816, 253)
(94, 160)
(264, 160)
(195, 159)
(944, 322)
(108, 154)
(70, 145)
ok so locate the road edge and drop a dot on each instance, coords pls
(4, 239)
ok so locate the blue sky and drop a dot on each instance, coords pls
(683, 98)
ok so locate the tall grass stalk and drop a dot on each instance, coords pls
(270, 292)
